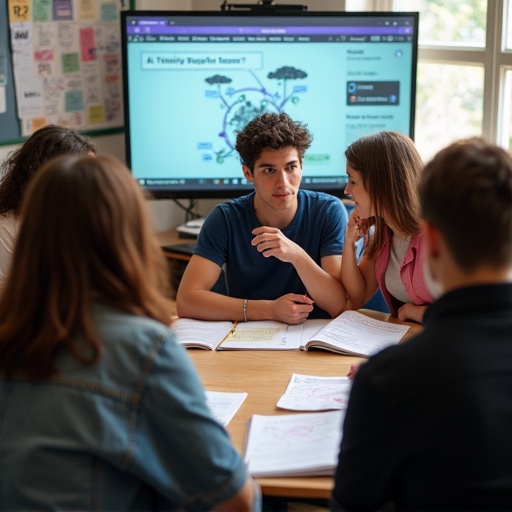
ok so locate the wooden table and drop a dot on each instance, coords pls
(264, 375)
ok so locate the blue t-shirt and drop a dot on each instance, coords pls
(225, 238)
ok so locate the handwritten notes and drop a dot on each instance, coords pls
(224, 405)
(263, 335)
(294, 444)
(257, 334)
(312, 393)
(356, 334)
(193, 333)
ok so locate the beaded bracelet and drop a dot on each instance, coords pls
(245, 310)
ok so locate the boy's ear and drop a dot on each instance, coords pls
(431, 238)
(247, 173)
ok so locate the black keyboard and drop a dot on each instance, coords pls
(180, 248)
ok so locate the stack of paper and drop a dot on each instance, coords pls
(294, 444)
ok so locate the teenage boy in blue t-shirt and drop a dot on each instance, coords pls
(280, 246)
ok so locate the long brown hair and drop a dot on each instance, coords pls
(85, 235)
(390, 167)
(43, 145)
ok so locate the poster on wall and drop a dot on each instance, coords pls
(66, 57)
(9, 125)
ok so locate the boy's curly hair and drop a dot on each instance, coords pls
(274, 131)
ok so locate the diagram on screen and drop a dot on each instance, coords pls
(238, 105)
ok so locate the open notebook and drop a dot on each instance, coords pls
(351, 333)
(252, 335)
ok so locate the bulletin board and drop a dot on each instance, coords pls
(9, 125)
(65, 60)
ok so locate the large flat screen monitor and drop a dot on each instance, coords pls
(193, 79)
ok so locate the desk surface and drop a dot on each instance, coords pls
(264, 375)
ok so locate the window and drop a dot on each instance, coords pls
(449, 22)
(449, 105)
(464, 83)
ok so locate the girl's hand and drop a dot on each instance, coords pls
(356, 228)
(411, 312)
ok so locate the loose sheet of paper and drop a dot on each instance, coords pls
(224, 405)
(312, 393)
(294, 444)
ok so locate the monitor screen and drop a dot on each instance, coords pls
(193, 79)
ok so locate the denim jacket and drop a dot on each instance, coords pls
(132, 432)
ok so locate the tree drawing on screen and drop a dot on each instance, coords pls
(240, 105)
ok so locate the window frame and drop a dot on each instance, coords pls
(496, 61)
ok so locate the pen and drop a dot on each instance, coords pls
(230, 333)
(306, 295)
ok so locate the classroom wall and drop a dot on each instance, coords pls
(165, 213)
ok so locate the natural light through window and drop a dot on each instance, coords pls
(506, 128)
(449, 105)
(449, 22)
